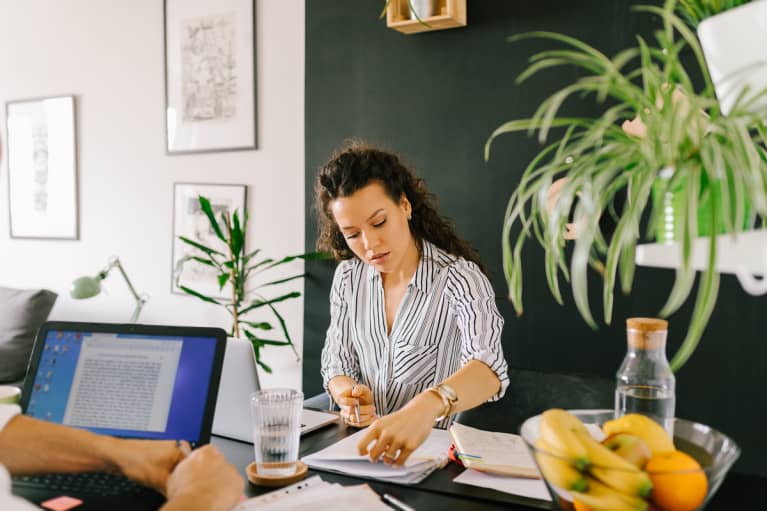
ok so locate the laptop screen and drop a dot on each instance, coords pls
(136, 384)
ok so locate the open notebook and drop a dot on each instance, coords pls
(342, 457)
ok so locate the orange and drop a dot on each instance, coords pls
(679, 484)
(580, 506)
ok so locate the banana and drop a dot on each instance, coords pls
(562, 431)
(645, 428)
(556, 470)
(614, 471)
(603, 498)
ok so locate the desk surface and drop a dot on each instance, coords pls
(438, 492)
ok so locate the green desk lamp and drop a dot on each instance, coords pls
(88, 287)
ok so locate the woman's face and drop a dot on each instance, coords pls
(375, 227)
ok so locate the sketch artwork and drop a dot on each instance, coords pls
(40, 166)
(209, 68)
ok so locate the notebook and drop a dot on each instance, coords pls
(342, 457)
(239, 380)
(129, 381)
(493, 452)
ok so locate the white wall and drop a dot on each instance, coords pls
(109, 53)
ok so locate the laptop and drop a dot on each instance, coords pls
(128, 381)
(239, 380)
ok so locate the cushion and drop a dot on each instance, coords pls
(22, 312)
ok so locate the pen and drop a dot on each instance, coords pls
(357, 406)
(394, 501)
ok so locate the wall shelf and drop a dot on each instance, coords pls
(744, 255)
(452, 14)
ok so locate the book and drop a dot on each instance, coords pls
(342, 457)
(493, 452)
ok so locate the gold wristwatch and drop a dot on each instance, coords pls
(449, 399)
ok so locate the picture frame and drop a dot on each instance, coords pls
(189, 221)
(42, 168)
(210, 76)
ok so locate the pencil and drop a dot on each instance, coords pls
(357, 406)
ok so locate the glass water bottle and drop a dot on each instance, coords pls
(645, 383)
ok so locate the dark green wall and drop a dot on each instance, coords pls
(434, 98)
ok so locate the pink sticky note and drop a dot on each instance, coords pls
(61, 503)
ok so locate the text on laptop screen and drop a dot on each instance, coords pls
(144, 386)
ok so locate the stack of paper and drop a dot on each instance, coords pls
(342, 457)
(314, 493)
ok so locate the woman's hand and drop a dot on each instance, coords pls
(349, 398)
(395, 436)
(148, 462)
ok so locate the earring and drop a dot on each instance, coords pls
(409, 216)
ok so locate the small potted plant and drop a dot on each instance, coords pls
(240, 269)
(611, 172)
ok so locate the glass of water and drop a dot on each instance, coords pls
(276, 417)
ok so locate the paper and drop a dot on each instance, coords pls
(491, 451)
(343, 457)
(523, 486)
(316, 494)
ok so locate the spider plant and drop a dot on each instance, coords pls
(611, 172)
(239, 268)
(695, 11)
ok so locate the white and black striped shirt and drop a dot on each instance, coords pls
(447, 318)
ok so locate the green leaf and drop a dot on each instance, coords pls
(261, 303)
(223, 278)
(281, 281)
(199, 295)
(208, 210)
(200, 246)
(260, 326)
(238, 237)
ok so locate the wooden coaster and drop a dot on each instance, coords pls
(264, 480)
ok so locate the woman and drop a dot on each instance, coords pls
(415, 335)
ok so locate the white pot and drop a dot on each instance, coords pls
(423, 9)
(735, 46)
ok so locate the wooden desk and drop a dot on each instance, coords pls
(438, 492)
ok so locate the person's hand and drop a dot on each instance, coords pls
(204, 481)
(394, 437)
(349, 398)
(148, 462)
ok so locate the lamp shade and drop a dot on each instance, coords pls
(85, 287)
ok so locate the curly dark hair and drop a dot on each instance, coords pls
(356, 165)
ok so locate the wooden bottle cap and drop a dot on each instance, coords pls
(646, 324)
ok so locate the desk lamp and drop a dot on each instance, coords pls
(88, 287)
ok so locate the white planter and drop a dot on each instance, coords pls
(735, 46)
(423, 8)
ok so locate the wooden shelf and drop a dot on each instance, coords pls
(452, 14)
(744, 255)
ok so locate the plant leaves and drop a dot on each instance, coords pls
(199, 295)
(208, 210)
(200, 246)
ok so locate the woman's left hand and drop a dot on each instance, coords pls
(394, 437)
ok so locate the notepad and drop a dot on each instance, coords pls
(493, 452)
(314, 493)
(342, 457)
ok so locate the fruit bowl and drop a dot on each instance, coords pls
(679, 477)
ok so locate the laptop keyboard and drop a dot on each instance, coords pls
(91, 483)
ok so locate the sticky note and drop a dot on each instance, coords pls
(61, 503)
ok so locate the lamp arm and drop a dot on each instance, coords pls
(140, 299)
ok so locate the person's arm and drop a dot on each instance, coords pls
(482, 377)
(204, 481)
(339, 363)
(29, 446)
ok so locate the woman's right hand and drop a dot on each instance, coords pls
(349, 398)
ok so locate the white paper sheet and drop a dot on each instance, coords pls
(532, 488)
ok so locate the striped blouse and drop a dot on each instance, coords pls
(447, 318)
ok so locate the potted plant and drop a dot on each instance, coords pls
(239, 268)
(611, 172)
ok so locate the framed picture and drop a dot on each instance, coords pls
(42, 168)
(210, 75)
(189, 221)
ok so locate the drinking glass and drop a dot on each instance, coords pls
(276, 417)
